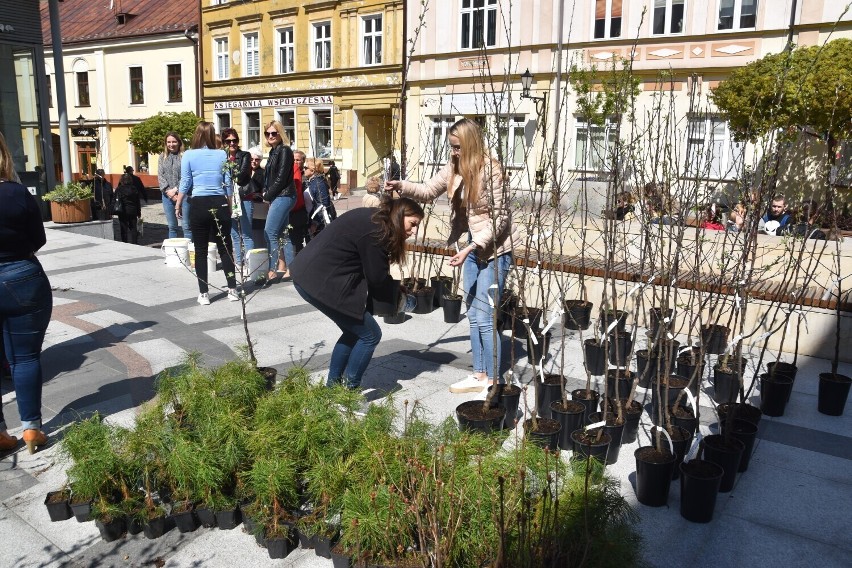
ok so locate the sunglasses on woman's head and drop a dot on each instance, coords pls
(272, 133)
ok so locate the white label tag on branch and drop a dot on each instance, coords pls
(541, 372)
(733, 343)
(668, 438)
(764, 336)
(691, 399)
(532, 336)
(669, 335)
(667, 320)
(693, 451)
(600, 424)
(612, 326)
(635, 289)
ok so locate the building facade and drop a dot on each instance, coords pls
(329, 71)
(122, 64)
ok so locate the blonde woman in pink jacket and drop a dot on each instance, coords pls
(480, 203)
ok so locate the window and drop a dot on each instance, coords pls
(511, 132)
(141, 160)
(710, 152)
(223, 120)
(137, 86)
(175, 82)
(322, 133)
(286, 52)
(87, 156)
(49, 83)
(252, 129)
(287, 118)
(478, 24)
(372, 40)
(607, 18)
(223, 63)
(737, 14)
(252, 55)
(322, 45)
(439, 145)
(668, 17)
(218, 2)
(83, 88)
(594, 144)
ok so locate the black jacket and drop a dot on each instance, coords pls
(344, 267)
(21, 229)
(279, 173)
(242, 174)
(128, 201)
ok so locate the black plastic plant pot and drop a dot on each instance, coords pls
(681, 441)
(340, 558)
(206, 517)
(684, 417)
(278, 547)
(452, 308)
(685, 368)
(726, 382)
(135, 525)
(113, 529)
(632, 415)
(774, 394)
(647, 367)
(619, 382)
(833, 393)
(509, 399)
(524, 317)
(323, 545)
(606, 317)
(675, 383)
(699, 487)
(615, 432)
(779, 368)
(155, 528)
(655, 316)
(620, 347)
(443, 287)
(228, 519)
(57, 506)
(595, 357)
(714, 338)
(82, 511)
(589, 399)
(587, 445)
(538, 349)
(508, 303)
(545, 434)
(653, 475)
(745, 432)
(578, 314)
(185, 521)
(473, 417)
(390, 306)
(570, 415)
(306, 541)
(425, 298)
(742, 411)
(395, 319)
(548, 391)
(726, 452)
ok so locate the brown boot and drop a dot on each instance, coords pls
(7, 442)
(34, 438)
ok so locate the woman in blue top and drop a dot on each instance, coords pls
(203, 174)
(25, 300)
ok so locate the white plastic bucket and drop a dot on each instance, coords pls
(212, 251)
(175, 252)
(258, 260)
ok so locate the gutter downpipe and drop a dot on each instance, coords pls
(61, 101)
(195, 49)
(557, 96)
(789, 45)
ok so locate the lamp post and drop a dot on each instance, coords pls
(540, 102)
(81, 121)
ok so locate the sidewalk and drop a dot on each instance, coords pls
(121, 316)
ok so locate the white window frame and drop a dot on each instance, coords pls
(251, 54)
(285, 51)
(512, 123)
(222, 67)
(246, 134)
(736, 16)
(469, 12)
(439, 155)
(130, 85)
(610, 128)
(608, 21)
(218, 2)
(219, 114)
(701, 165)
(314, 139)
(371, 41)
(279, 115)
(321, 44)
(667, 17)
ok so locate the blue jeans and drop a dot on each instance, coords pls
(26, 303)
(277, 220)
(172, 220)
(242, 228)
(478, 279)
(354, 349)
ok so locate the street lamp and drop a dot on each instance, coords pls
(540, 102)
(81, 121)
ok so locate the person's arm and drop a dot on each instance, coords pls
(423, 192)
(185, 175)
(243, 169)
(161, 179)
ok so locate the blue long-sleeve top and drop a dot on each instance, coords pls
(202, 173)
(21, 229)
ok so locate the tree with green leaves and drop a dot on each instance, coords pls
(148, 135)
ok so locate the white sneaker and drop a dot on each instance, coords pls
(204, 299)
(469, 384)
(233, 295)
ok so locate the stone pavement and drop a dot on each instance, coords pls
(121, 316)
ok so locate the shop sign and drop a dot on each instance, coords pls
(90, 132)
(280, 102)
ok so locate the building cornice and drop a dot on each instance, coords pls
(318, 5)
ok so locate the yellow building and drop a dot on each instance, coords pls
(330, 71)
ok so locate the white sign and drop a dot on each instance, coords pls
(282, 102)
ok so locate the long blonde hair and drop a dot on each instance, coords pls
(7, 166)
(471, 159)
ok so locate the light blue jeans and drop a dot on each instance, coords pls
(277, 220)
(481, 298)
(172, 220)
(242, 228)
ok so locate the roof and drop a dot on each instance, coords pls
(92, 20)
